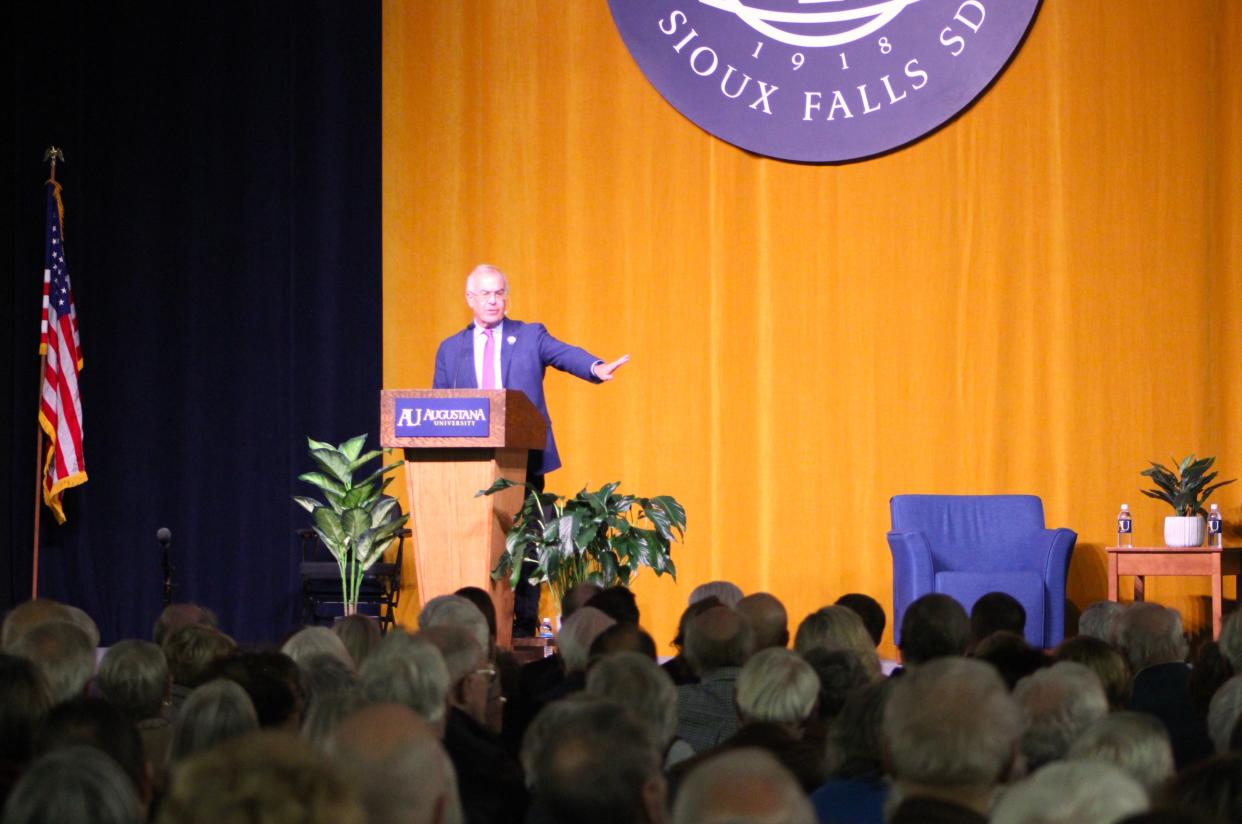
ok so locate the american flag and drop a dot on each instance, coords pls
(60, 407)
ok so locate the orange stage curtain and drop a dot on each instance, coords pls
(1038, 298)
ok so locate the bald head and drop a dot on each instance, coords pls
(743, 786)
(395, 760)
(767, 617)
(719, 637)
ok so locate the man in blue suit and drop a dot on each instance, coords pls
(495, 352)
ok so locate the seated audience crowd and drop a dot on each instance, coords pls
(754, 720)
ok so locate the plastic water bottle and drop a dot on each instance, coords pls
(1215, 535)
(545, 628)
(1125, 532)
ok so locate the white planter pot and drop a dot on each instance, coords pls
(1183, 531)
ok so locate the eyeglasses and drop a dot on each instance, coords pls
(499, 294)
(489, 672)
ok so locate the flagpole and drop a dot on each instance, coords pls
(52, 154)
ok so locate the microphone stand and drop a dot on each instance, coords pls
(164, 536)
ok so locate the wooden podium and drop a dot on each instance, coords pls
(458, 537)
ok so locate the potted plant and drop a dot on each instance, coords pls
(356, 521)
(594, 536)
(1186, 489)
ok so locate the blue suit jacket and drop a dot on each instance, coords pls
(522, 364)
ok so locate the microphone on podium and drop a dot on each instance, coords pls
(164, 536)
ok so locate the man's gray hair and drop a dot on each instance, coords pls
(215, 712)
(456, 611)
(742, 786)
(309, 642)
(83, 621)
(73, 785)
(633, 679)
(1098, 620)
(484, 269)
(776, 685)
(63, 653)
(1136, 742)
(1071, 792)
(577, 633)
(1230, 640)
(952, 722)
(407, 670)
(459, 648)
(1224, 712)
(726, 592)
(1060, 702)
(133, 676)
(1150, 634)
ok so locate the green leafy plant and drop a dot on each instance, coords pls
(356, 521)
(593, 536)
(1185, 488)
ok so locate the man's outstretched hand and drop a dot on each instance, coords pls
(606, 371)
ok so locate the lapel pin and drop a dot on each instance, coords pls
(511, 340)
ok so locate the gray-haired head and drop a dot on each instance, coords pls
(578, 632)
(192, 649)
(777, 686)
(1059, 702)
(1071, 792)
(837, 627)
(742, 786)
(405, 669)
(726, 592)
(1224, 712)
(30, 614)
(1136, 742)
(1150, 634)
(360, 634)
(80, 619)
(634, 680)
(73, 785)
(309, 642)
(454, 610)
(1230, 640)
(63, 653)
(1098, 619)
(951, 722)
(325, 676)
(214, 712)
(133, 677)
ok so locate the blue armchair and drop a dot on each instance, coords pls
(966, 546)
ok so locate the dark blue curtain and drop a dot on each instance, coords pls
(222, 224)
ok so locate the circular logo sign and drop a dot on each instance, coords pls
(821, 80)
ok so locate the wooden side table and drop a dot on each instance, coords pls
(1141, 561)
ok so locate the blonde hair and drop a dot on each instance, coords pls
(835, 628)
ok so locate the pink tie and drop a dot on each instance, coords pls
(489, 361)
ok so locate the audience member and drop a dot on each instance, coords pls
(621, 637)
(838, 628)
(63, 653)
(133, 677)
(635, 681)
(741, 786)
(1209, 670)
(483, 603)
(855, 792)
(214, 712)
(1153, 642)
(1102, 658)
(394, 761)
(578, 632)
(191, 650)
(869, 610)
(324, 677)
(262, 778)
(840, 672)
(175, 616)
(24, 703)
(273, 682)
(727, 593)
(73, 785)
(778, 687)
(1071, 792)
(598, 764)
(618, 603)
(934, 626)
(1096, 621)
(310, 642)
(28, 615)
(718, 643)
(360, 634)
(1212, 787)
(327, 713)
(1224, 713)
(1012, 656)
(677, 666)
(767, 618)
(950, 734)
(93, 722)
(84, 622)
(409, 670)
(456, 611)
(577, 597)
(1060, 702)
(1230, 640)
(1133, 741)
(997, 612)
